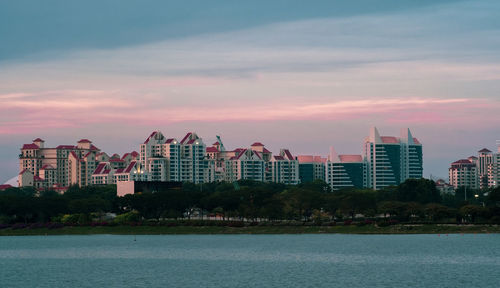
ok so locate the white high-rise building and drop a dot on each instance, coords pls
(171, 160)
(345, 171)
(493, 171)
(391, 160)
(484, 160)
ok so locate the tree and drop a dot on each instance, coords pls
(437, 211)
(418, 190)
(470, 213)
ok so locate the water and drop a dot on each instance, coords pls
(251, 261)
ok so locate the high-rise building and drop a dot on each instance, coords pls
(311, 168)
(494, 169)
(285, 168)
(463, 173)
(391, 160)
(62, 166)
(484, 160)
(171, 160)
(345, 171)
(255, 163)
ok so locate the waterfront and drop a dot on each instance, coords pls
(455, 260)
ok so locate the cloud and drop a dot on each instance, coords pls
(434, 66)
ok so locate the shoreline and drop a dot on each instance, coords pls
(399, 229)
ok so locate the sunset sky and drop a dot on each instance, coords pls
(304, 75)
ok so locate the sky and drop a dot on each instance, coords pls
(303, 75)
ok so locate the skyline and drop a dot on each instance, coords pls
(251, 74)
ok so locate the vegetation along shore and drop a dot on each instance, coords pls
(415, 206)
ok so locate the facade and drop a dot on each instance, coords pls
(494, 171)
(345, 171)
(171, 160)
(391, 160)
(311, 168)
(82, 164)
(484, 160)
(254, 163)
(463, 173)
(61, 166)
(386, 161)
(285, 168)
(487, 170)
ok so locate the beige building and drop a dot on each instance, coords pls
(61, 166)
(463, 173)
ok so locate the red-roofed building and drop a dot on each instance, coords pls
(211, 150)
(5, 187)
(463, 173)
(168, 160)
(63, 165)
(30, 147)
(284, 168)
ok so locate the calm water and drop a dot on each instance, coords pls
(251, 261)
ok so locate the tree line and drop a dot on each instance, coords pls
(415, 200)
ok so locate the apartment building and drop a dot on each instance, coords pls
(463, 173)
(253, 163)
(171, 160)
(63, 165)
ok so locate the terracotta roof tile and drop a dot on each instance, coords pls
(150, 136)
(30, 146)
(65, 147)
(186, 137)
(212, 150)
(99, 168)
(130, 166)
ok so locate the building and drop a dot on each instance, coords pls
(285, 168)
(345, 171)
(254, 163)
(137, 187)
(391, 160)
(444, 188)
(61, 166)
(4, 187)
(494, 169)
(463, 173)
(311, 168)
(484, 160)
(171, 160)
(387, 160)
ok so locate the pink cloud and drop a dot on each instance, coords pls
(30, 112)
